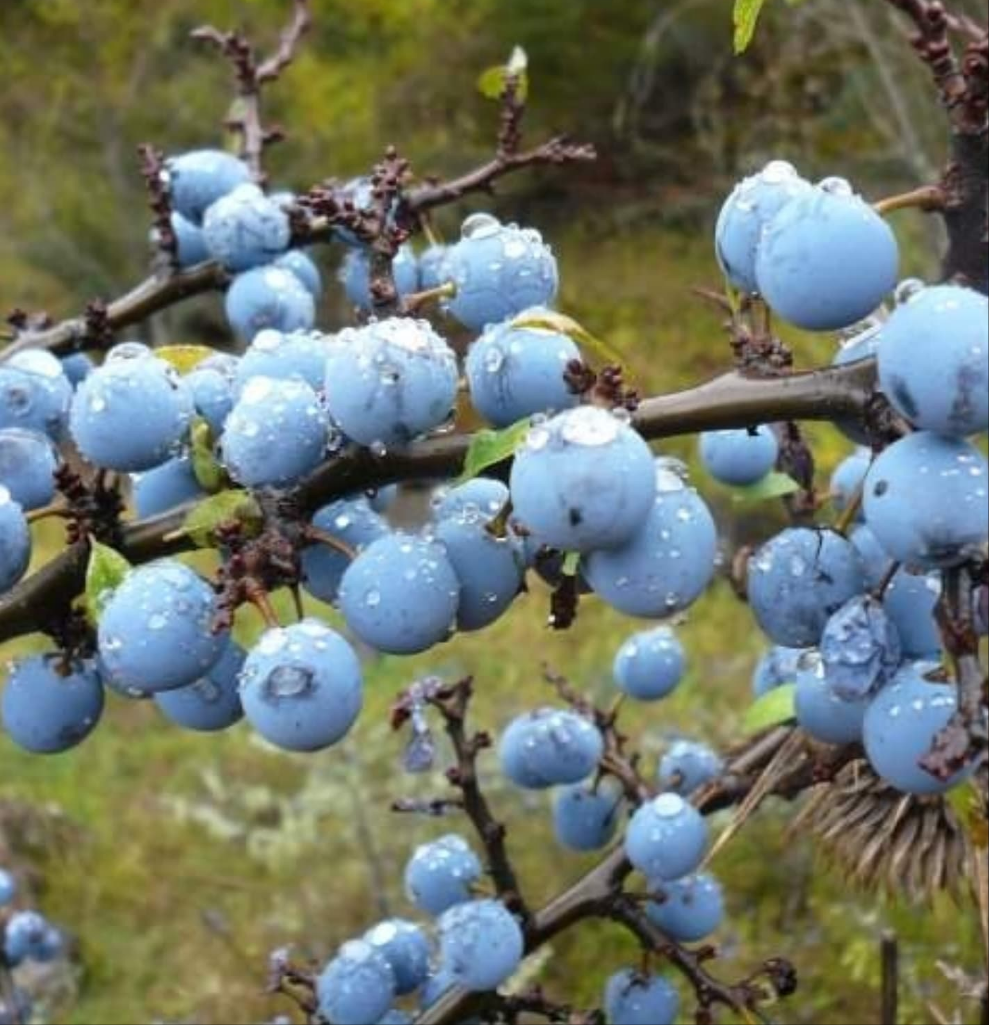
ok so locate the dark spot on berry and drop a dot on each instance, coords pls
(576, 517)
(881, 488)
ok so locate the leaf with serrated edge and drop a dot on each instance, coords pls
(104, 572)
(184, 357)
(774, 707)
(488, 448)
(226, 507)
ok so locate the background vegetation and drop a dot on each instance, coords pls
(180, 861)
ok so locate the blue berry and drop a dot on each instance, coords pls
(24, 937)
(901, 724)
(667, 564)
(435, 987)
(848, 478)
(211, 703)
(395, 1016)
(245, 229)
(650, 664)
(355, 275)
(910, 600)
(199, 178)
(875, 560)
(350, 520)
(860, 648)
(28, 461)
(156, 631)
(490, 569)
(405, 948)
(277, 433)
(382, 499)
(798, 579)
(212, 387)
(190, 244)
(130, 413)
(481, 944)
(691, 909)
(34, 393)
(514, 372)
(666, 838)
(300, 355)
(400, 594)
(441, 873)
(164, 487)
(499, 270)
(686, 766)
(304, 267)
(549, 747)
(739, 457)
(15, 541)
(46, 712)
(775, 668)
(751, 206)
(820, 711)
(583, 480)
(8, 887)
(390, 381)
(585, 817)
(634, 999)
(76, 367)
(827, 259)
(934, 360)
(357, 986)
(431, 267)
(480, 496)
(301, 686)
(925, 500)
(268, 297)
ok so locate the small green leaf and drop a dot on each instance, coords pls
(233, 506)
(773, 485)
(571, 564)
(964, 800)
(487, 448)
(491, 82)
(745, 17)
(104, 572)
(550, 320)
(205, 466)
(774, 707)
(184, 357)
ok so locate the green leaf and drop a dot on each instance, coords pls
(104, 572)
(773, 485)
(964, 800)
(184, 357)
(774, 707)
(571, 564)
(550, 320)
(206, 467)
(745, 17)
(491, 82)
(232, 506)
(487, 448)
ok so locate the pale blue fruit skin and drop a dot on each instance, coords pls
(901, 724)
(934, 360)
(390, 382)
(583, 481)
(302, 686)
(46, 713)
(357, 987)
(752, 204)
(190, 245)
(8, 888)
(383, 498)
(355, 275)
(798, 579)
(268, 297)
(650, 664)
(35, 393)
(482, 496)
(499, 270)
(585, 819)
(481, 944)
(76, 367)
(666, 838)
(737, 457)
(775, 668)
(400, 594)
(687, 765)
(199, 178)
(213, 394)
(441, 873)
(277, 433)
(666, 565)
(24, 937)
(166, 486)
(304, 267)
(875, 560)
(351, 520)
(130, 414)
(925, 500)
(848, 477)
(910, 601)
(490, 569)
(395, 1017)
(431, 267)
(826, 260)
(15, 541)
(516, 372)
(693, 908)
(28, 461)
(245, 229)
(630, 999)
(299, 355)
(549, 747)
(406, 949)
(860, 648)
(820, 711)
(212, 703)
(156, 631)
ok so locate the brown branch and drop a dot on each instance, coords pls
(927, 198)
(165, 240)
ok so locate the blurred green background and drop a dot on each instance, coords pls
(179, 861)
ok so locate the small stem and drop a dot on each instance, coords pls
(414, 302)
(846, 520)
(929, 198)
(890, 956)
(426, 223)
(883, 586)
(48, 512)
(260, 599)
(324, 537)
